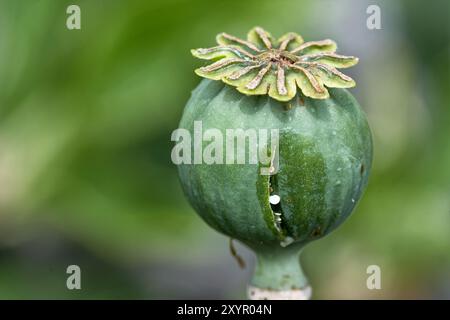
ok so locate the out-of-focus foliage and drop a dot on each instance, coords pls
(85, 171)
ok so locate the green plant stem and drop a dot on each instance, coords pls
(279, 269)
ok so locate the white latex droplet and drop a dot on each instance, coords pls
(274, 199)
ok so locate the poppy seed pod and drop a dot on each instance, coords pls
(314, 157)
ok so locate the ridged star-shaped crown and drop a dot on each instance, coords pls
(262, 65)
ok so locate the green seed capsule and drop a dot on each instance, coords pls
(317, 171)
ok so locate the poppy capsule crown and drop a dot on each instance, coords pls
(261, 65)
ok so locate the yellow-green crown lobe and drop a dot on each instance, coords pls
(263, 65)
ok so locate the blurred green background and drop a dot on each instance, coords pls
(85, 171)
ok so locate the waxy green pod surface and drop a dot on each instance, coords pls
(324, 160)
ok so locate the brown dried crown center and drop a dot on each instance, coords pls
(277, 57)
